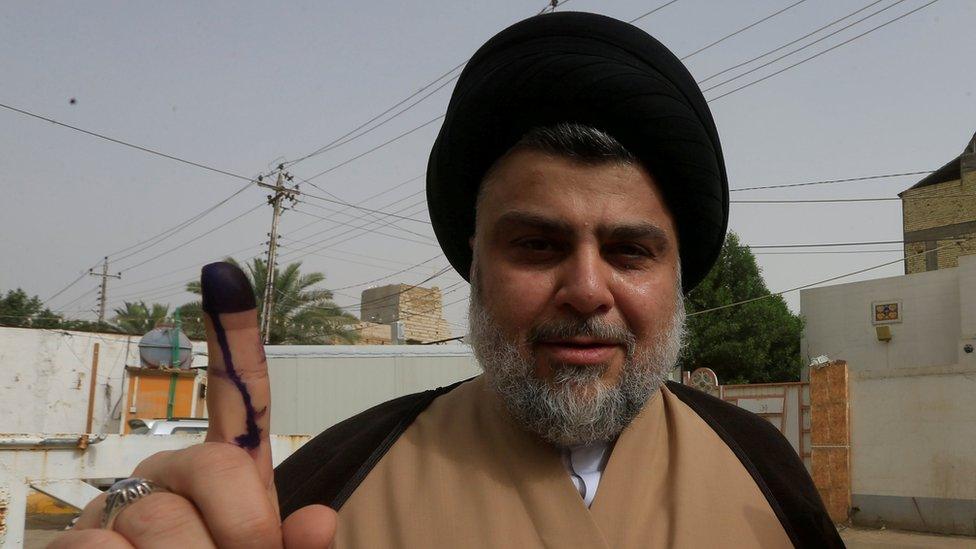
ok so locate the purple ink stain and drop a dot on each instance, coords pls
(227, 290)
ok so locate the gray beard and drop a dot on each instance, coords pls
(575, 406)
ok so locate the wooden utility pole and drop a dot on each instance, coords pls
(91, 390)
(103, 294)
(280, 193)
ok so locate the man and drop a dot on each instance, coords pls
(578, 183)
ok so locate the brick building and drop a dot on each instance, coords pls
(419, 309)
(940, 210)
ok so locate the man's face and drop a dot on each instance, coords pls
(557, 240)
(575, 272)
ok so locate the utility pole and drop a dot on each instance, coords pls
(280, 193)
(103, 295)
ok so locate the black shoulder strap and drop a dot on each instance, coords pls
(331, 466)
(773, 464)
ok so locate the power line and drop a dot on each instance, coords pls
(655, 10)
(822, 245)
(125, 143)
(176, 228)
(829, 181)
(330, 242)
(349, 137)
(830, 252)
(364, 209)
(402, 291)
(788, 44)
(367, 283)
(70, 284)
(801, 48)
(831, 279)
(374, 149)
(376, 219)
(319, 217)
(839, 200)
(743, 29)
(194, 239)
(848, 41)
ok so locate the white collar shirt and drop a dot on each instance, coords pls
(585, 465)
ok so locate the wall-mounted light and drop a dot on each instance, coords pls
(884, 333)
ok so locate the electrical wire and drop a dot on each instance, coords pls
(396, 236)
(820, 245)
(830, 181)
(818, 54)
(842, 200)
(829, 252)
(372, 224)
(788, 44)
(348, 137)
(70, 284)
(743, 29)
(387, 277)
(194, 239)
(361, 208)
(374, 149)
(801, 48)
(824, 281)
(125, 143)
(377, 219)
(176, 228)
(655, 10)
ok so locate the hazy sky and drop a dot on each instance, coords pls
(241, 86)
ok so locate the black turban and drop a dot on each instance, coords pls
(596, 71)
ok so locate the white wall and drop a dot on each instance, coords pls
(316, 386)
(45, 377)
(838, 321)
(913, 410)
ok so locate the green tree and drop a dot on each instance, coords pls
(139, 318)
(19, 309)
(756, 342)
(303, 314)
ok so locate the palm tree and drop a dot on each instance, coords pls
(139, 318)
(303, 315)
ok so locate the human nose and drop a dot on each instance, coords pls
(584, 284)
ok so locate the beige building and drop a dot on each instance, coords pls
(419, 311)
(939, 212)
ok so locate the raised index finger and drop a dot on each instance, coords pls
(238, 391)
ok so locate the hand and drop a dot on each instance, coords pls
(220, 493)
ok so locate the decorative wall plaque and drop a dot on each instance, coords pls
(886, 312)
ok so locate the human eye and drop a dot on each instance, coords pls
(629, 254)
(535, 244)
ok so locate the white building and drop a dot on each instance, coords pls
(909, 344)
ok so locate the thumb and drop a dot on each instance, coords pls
(238, 391)
(311, 527)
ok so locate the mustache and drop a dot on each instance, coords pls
(592, 327)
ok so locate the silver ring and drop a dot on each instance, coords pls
(123, 493)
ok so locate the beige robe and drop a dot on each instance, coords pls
(465, 475)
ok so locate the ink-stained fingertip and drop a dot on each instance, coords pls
(225, 289)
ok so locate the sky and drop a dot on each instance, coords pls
(242, 86)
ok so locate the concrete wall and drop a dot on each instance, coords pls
(45, 377)
(913, 412)
(316, 386)
(420, 310)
